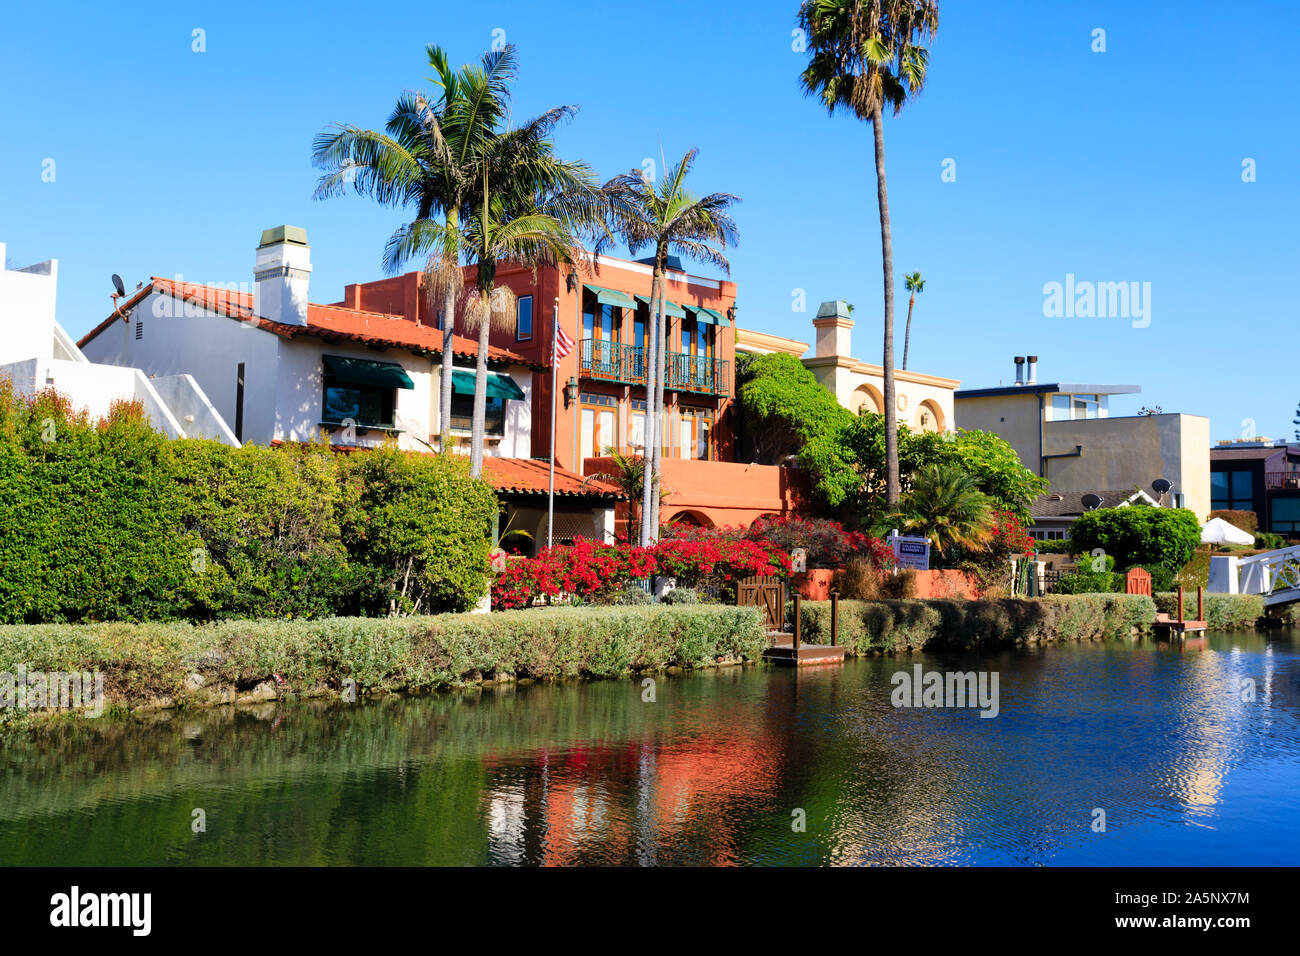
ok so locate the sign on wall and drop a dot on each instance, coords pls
(910, 552)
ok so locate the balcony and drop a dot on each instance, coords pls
(608, 361)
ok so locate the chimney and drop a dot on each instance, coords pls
(281, 274)
(1031, 377)
(1020, 370)
(834, 329)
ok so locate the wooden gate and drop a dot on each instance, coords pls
(1137, 581)
(766, 592)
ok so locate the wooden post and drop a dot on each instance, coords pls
(835, 617)
(798, 618)
(1200, 603)
(1180, 604)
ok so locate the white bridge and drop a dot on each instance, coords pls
(1273, 574)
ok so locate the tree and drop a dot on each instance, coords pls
(668, 218)
(866, 55)
(945, 505)
(429, 158)
(915, 284)
(785, 407)
(1138, 535)
(630, 479)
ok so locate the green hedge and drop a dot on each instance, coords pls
(873, 627)
(1221, 610)
(109, 520)
(142, 662)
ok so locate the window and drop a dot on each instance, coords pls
(636, 426)
(1084, 406)
(462, 414)
(696, 426)
(524, 319)
(597, 417)
(1060, 411)
(361, 391)
(1286, 516)
(1232, 490)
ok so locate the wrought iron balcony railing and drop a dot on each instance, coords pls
(626, 364)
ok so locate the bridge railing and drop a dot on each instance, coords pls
(1268, 574)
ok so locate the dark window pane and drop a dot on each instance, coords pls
(524, 321)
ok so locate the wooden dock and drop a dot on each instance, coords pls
(795, 653)
(1179, 626)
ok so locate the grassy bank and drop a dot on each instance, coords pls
(230, 661)
(891, 627)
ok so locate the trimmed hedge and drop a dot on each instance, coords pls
(144, 662)
(109, 520)
(1221, 610)
(891, 627)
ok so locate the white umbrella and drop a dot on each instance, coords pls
(1218, 531)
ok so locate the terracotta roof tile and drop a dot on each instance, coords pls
(323, 321)
(530, 476)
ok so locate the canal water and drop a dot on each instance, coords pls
(1160, 745)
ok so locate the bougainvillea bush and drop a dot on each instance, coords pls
(598, 572)
(827, 542)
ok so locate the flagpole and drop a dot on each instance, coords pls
(550, 495)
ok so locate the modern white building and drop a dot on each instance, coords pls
(279, 367)
(36, 353)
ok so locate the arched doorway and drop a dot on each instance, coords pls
(929, 417)
(866, 398)
(695, 519)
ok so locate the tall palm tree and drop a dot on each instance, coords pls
(668, 218)
(428, 158)
(915, 284)
(866, 55)
(946, 505)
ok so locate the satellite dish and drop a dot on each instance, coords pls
(117, 284)
(1161, 485)
(1091, 502)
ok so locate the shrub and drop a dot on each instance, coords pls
(870, 627)
(1221, 610)
(859, 580)
(1245, 520)
(1268, 541)
(144, 661)
(1090, 582)
(632, 594)
(681, 596)
(1138, 536)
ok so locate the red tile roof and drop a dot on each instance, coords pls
(529, 476)
(323, 321)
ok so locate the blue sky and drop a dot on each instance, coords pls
(1122, 166)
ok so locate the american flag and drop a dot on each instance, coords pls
(563, 344)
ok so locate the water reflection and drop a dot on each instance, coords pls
(720, 769)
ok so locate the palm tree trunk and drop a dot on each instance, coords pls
(662, 359)
(651, 367)
(907, 335)
(477, 435)
(887, 257)
(444, 398)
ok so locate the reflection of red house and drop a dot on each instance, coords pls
(602, 400)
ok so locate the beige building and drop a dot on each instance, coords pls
(923, 402)
(1066, 433)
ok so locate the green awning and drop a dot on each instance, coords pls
(611, 297)
(670, 307)
(499, 385)
(355, 371)
(709, 316)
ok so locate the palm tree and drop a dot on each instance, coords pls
(630, 479)
(915, 284)
(670, 219)
(866, 55)
(946, 505)
(455, 161)
(428, 158)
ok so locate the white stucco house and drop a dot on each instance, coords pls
(280, 368)
(36, 353)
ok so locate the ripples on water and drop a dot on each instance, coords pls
(718, 770)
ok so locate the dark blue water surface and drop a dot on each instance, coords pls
(740, 765)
